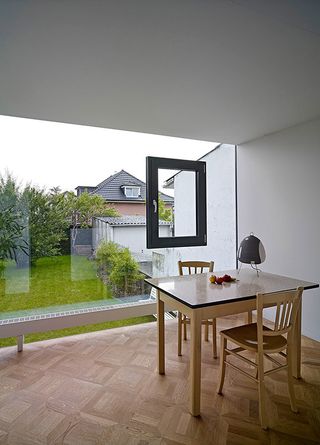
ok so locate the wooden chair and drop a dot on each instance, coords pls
(263, 341)
(183, 320)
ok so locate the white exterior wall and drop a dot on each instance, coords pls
(278, 190)
(185, 223)
(221, 217)
(134, 237)
(131, 237)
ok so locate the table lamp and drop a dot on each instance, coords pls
(251, 251)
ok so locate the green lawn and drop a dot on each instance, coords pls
(51, 281)
(55, 281)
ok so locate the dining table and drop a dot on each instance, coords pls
(199, 299)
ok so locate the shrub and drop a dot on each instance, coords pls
(118, 267)
(125, 271)
(105, 255)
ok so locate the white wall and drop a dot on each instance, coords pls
(131, 237)
(221, 217)
(185, 222)
(279, 196)
(134, 237)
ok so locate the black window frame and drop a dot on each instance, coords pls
(154, 241)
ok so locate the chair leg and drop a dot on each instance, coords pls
(223, 356)
(262, 397)
(206, 330)
(179, 333)
(184, 328)
(290, 382)
(249, 317)
(214, 338)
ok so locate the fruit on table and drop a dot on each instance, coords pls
(219, 280)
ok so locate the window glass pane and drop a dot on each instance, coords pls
(67, 253)
(132, 192)
(78, 230)
(185, 204)
(176, 203)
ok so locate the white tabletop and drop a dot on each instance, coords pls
(197, 291)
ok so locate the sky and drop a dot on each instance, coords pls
(50, 154)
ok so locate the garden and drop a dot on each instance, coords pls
(37, 273)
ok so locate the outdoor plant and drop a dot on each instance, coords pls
(13, 221)
(165, 214)
(47, 221)
(117, 267)
(46, 216)
(125, 272)
(81, 209)
(106, 255)
(11, 234)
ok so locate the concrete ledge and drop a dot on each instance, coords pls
(18, 327)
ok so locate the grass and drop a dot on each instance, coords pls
(55, 281)
(51, 281)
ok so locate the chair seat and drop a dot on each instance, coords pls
(246, 336)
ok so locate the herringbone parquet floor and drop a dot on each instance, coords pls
(103, 388)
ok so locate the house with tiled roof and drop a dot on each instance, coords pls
(125, 192)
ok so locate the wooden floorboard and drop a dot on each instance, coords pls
(103, 388)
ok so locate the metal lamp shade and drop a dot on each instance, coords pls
(251, 250)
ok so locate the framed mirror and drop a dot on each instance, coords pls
(176, 204)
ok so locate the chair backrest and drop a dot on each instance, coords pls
(194, 267)
(286, 305)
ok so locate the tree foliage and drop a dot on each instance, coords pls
(11, 233)
(121, 269)
(106, 255)
(81, 210)
(47, 221)
(43, 217)
(125, 271)
(13, 220)
(165, 214)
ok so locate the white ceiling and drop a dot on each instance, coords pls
(228, 70)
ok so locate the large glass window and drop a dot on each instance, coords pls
(73, 223)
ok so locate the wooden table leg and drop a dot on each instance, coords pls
(161, 340)
(296, 353)
(195, 363)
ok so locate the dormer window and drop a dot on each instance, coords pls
(131, 191)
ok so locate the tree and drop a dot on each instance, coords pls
(11, 233)
(47, 221)
(165, 214)
(81, 209)
(13, 220)
(45, 216)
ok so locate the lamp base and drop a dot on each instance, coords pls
(254, 267)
